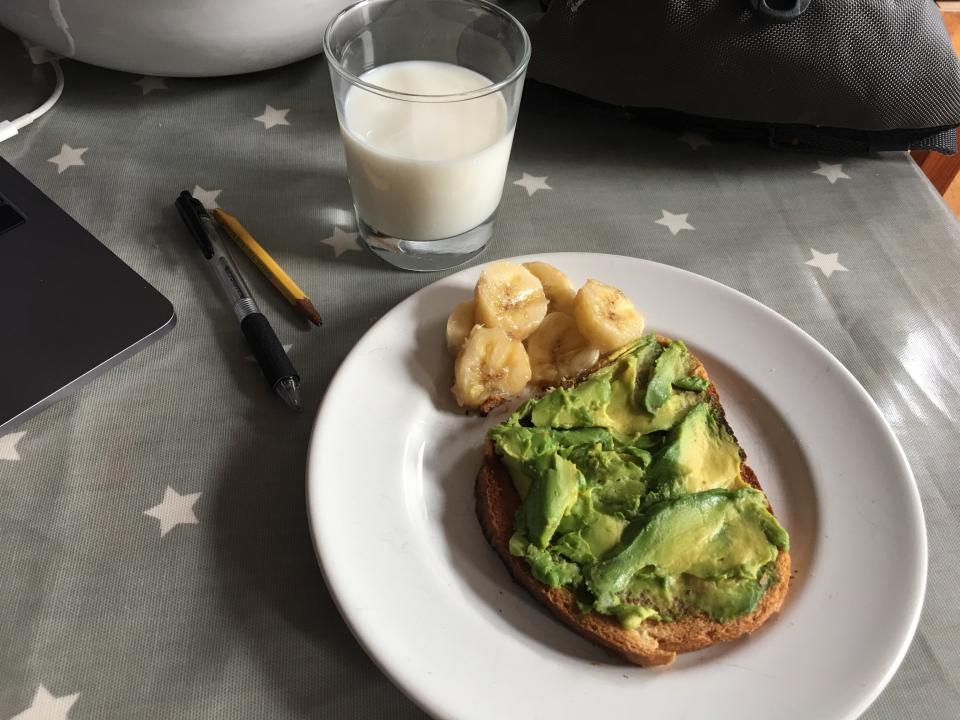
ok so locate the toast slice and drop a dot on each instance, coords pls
(653, 642)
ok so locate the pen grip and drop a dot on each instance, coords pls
(267, 349)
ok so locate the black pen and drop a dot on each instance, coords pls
(270, 355)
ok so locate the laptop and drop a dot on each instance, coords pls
(69, 308)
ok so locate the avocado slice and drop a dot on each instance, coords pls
(669, 367)
(672, 369)
(700, 454)
(716, 537)
(556, 484)
(642, 514)
(581, 406)
(545, 566)
(612, 397)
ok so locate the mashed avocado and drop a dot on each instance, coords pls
(631, 494)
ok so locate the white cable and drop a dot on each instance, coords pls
(9, 128)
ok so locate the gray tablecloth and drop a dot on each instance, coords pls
(154, 553)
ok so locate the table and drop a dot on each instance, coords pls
(155, 559)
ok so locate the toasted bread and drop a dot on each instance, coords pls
(654, 642)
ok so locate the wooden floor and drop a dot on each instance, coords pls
(944, 170)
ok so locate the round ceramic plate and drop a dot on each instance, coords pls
(390, 496)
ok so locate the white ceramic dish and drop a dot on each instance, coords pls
(390, 497)
(175, 37)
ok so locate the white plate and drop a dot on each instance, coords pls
(390, 496)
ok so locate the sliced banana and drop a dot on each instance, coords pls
(556, 286)
(558, 351)
(509, 296)
(605, 316)
(458, 326)
(491, 366)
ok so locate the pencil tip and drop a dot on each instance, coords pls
(309, 311)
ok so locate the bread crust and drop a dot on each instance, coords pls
(654, 642)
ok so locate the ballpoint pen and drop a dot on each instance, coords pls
(277, 368)
(267, 265)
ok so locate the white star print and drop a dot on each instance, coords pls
(676, 223)
(826, 262)
(175, 509)
(831, 172)
(47, 707)
(531, 183)
(694, 140)
(207, 198)
(8, 446)
(67, 157)
(272, 116)
(148, 84)
(341, 241)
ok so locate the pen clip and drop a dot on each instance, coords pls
(190, 210)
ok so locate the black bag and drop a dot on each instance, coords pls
(837, 75)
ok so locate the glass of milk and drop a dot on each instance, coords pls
(427, 93)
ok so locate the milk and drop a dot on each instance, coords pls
(425, 170)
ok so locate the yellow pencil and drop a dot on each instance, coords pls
(268, 266)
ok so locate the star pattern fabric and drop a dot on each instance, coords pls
(46, 706)
(175, 509)
(148, 84)
(342, 242)
(207, 198)
(8, 445)
(604, 204)
(532, 184)
(68, 157)
(831, 172)
(272, 117)
(827, 263)
(675, 223)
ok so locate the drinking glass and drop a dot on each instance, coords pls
(427, 93)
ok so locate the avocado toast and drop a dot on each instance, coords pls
(622, 502)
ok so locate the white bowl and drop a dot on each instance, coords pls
(175, 37)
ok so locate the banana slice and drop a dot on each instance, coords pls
(605, 316)
(491, 366)
(556, 286)
(558, 351)
(509, 296)
(458, 326)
